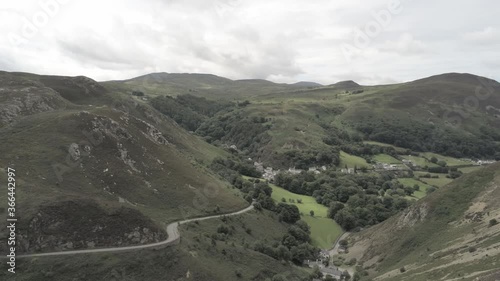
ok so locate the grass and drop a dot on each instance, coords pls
(308, 203)
(324, 231)
(443, 230)
(164, 181)
(420, 161)
(351, 160)
(378, 143)
(385, 158)
(466, 170)
(451, 161)
(412, 182)
(195, 256)
(439, 182)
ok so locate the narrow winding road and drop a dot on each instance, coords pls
(335, 249)
(172, 231)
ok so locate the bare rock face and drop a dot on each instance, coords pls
(19, 101)
(84, 224)
(155, 135)
(412, 215)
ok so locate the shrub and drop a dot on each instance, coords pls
(493, 222)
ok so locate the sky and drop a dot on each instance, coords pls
(325, 41)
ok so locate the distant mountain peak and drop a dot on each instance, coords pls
(307, 84)
(347, 84)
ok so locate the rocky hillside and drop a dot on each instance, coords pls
(135, 169)
(452, 234)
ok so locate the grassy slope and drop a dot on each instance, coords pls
(194, 259)
(410, 182)
(165, 181)
(324, 231)
(205, 85)
(438, 182)
(350, 161)
(296, 113)
(384, 158)
(431, 238)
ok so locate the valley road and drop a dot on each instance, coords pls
(172, 231)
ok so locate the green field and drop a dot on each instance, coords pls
(385, 158)
(466, 170)
(449, 160)
(411, 182)
(324, 231)
(437, 182)
(351, 161)
(420, 161)
(377, 143)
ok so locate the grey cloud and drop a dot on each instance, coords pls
(283, 40)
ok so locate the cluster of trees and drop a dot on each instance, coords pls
(336, 136)
(423, 136)
(187, 110)
(452, 172)
(303, 159)
(249, 134)
(234, 166)
(354, 200)
(294, 246)
(367, 150)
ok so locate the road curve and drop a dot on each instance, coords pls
(335, 249)
(172, 231)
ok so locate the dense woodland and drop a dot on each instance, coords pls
(354, 200)
(419, 136)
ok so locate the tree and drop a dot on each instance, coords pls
(316, 272)
(311, 213)
(346, 219)
(434, 159)
(409, 190)
(223, 229)
(441, 163)
(493, 222)
(329, 278)
(334, 208)
(346, 275)
(288, 213)
(257, 206)
(343, 243)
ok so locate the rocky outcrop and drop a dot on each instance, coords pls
(23, 101)
(84, 224)
(412, 215)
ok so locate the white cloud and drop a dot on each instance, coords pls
(487, 35)
(285, 41)
(405, 45)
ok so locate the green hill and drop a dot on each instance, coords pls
(101, 157)
(97, 167)
(100, 163)
(449, 235)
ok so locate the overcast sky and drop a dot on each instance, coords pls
(371, 42)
